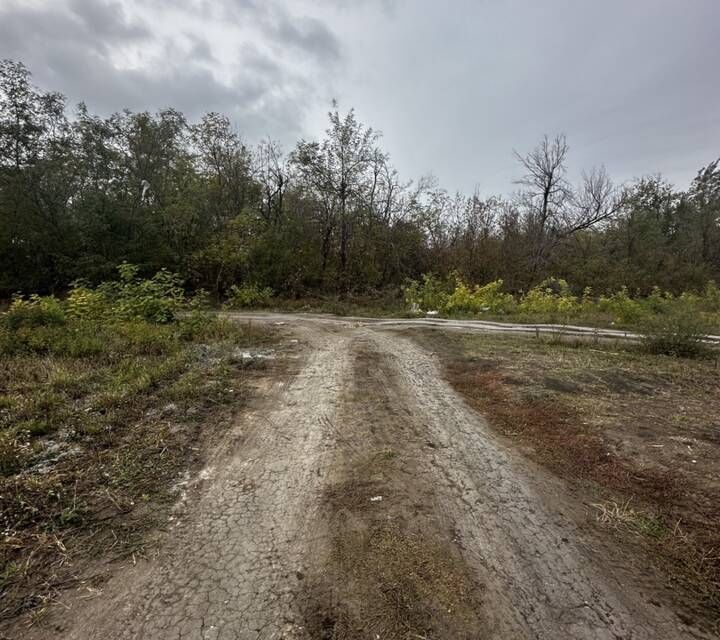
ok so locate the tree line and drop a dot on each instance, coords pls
(81, 194)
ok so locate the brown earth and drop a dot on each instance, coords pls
(362, 497)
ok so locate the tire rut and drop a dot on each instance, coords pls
(540, 581)
(232, 570)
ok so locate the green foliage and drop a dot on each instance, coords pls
(332, 217)
(551, 297)
(622, 307)
(34, 311)
(84, 303)
(710, 300)
(679, 331)
(430, 294)
(90, 321)
(673, 324)
(156, 299)
(479, 299)
(248, 296)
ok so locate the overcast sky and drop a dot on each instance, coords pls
(454, 86)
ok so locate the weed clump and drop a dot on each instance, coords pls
(679, 332)
(248, 296)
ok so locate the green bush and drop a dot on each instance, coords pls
(95, 321)
(429, 295)
(142, 338)
(479, 299)
(34, 311)
(551, 297)
(710, 300)
(84, 303)
(248, 296)
(156, 299)
(657, 302)
(622, 307)
(679, 331)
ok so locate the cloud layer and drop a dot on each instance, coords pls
(262, 68)
(455, 87)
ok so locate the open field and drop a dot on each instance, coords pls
(402, 482)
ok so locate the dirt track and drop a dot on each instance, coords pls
(362, 498)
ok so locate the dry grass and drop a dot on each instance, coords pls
(405, 585)
(556, 436)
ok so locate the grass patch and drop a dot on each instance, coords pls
(98, 416)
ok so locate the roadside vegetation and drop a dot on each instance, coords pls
(105, 398)
(635, 433)
(673, 325)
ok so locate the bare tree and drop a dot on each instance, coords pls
(272, 171)
(546, 193)
(545, 179)
(553, 210)
(596, 201)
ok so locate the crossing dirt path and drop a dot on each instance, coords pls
(362, 498)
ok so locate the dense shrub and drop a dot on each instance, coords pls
(479, 299)
(711, 298)
(551, 297)
(622, 307)
(86, 303)
(429, 295)
(248, 296)
(156, 299)
(90, 321)
(673, 322)
(34, 311)
(679, 331)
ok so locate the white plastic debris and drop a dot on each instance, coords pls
(432, 314)
(255, 355)
(376, 499)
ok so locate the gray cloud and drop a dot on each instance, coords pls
(74, 47)
(307, 35)
(199, 49)
(455, 87)
(95, 26)
(302, 34)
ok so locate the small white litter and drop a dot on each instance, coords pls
(376, 499)
(254, 355)
(432, 314)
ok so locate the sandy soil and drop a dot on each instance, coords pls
(362, 498)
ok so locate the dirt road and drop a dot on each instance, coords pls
(361, 498)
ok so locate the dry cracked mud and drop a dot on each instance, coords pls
(362, 498)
